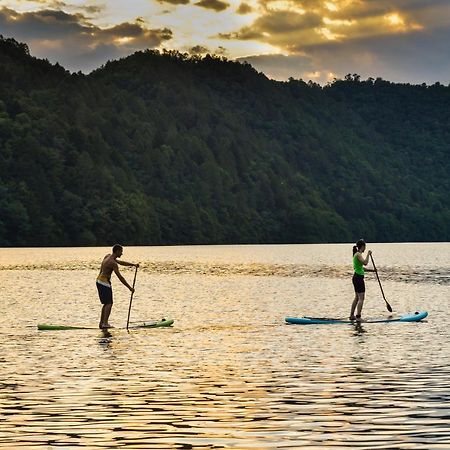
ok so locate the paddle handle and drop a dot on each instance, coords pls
(388, 306)
(131, 298)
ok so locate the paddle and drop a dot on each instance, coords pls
(388, 306)
(131, 298)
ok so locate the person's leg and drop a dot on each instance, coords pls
(106, 298)
(102, 317)
(360, 304)
(354, 303)
(106, 311)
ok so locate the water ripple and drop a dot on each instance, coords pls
(435, 275)
(230, 373)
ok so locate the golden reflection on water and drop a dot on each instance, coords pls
(239, 260)
(229, 373)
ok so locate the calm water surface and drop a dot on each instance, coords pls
(229, 373)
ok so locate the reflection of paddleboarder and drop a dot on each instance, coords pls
(358, 278)
(109, 265)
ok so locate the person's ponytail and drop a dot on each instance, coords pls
(358, 246)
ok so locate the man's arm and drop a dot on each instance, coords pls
(128, 264)
(121, 278)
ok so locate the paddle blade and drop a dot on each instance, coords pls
(388, 306)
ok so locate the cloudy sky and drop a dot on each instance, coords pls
(398, 40)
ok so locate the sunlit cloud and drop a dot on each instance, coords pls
(337, 22)
(288, 25)
(405, 39)
(284, 5)
(395, 19)
(329, 35)
(399, 23)
(331, 6)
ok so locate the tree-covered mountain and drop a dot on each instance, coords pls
(162, 148)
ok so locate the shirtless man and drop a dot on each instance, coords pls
(103, 282)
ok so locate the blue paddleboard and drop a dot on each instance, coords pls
(411, 317)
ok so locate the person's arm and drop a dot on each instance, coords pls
(128, 264)
(121, 278)
(365, 261)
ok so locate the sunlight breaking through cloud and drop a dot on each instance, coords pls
(373, 37)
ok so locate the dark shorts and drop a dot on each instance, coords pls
(358, 283)
(105, 294)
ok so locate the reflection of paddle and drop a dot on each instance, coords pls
(388, 306)
(131, 298)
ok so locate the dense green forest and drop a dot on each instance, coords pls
(166, 148)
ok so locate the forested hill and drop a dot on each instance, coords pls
(167, 149)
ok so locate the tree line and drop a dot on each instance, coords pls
(167, 148)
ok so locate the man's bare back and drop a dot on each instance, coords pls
(109, 263)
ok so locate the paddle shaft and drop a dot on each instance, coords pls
(388, 306)
(131, 298)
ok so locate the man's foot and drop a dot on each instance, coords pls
(352, 318)
(358, 318)
(104, 326)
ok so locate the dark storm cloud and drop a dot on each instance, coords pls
(45, 24)
(198, 50)
(215, 5)
(280, 28)
(244, 8)
(277, 22)
(175, 2)
(73, 41)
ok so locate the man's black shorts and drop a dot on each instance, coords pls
(105, 294)
(358, 283)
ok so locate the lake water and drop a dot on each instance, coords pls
(229, 373)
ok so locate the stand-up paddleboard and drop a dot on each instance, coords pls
(149, 324)
(412, 317)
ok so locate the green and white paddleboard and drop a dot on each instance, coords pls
(147, 324)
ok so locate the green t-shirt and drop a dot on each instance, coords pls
(358, 265)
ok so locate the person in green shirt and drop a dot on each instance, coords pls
(358, 278)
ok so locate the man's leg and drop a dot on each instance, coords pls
(108, 308)
(102, 317)
(106, 311)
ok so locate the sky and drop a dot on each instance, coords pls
(404, 41)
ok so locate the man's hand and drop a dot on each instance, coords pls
(136, 265)
(132, 289)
